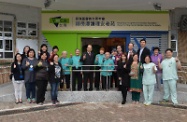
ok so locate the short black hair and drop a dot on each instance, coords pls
(43, 45)
(131, 43)
(169, 49)
(156, 48)
(114, 50)
(55, 47)
(44, 53)
(143, 40)
(149, 57)
(30, 51)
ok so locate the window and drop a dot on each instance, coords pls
(21, 29)
(8, 34)
(8, 45)
(21, 25)
(21, 32)
(32, 33)
(7, 26)
(32, 29)
(8, 54)
(1, 44)
(6, 39)
(27, 29)
(32, 26)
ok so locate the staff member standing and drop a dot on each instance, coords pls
(169, 68)
(148, 80)
(88, 59)
(143, 51)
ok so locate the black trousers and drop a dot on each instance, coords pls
(97, 78)
(67, 79)
(41, 89)
(123, 91)
(88, 76)
(106, 82)
(115, 79)
(76, 76)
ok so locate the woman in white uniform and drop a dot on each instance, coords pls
(148, 80)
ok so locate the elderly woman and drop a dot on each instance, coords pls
(107, 64)
(64, 61)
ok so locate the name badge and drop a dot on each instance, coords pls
(31, 68)
(21, 76)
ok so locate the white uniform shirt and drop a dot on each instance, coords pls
(149, 77)
(169, 69)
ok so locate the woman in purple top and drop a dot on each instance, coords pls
(154, 59)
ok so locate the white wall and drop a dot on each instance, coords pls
(23, 14)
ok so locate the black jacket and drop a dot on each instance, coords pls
(130, 60)
(18, 72)
(123, 73)
(145, 52)
(29, 75)
(88, 61)
(42, 71)
(52, 74)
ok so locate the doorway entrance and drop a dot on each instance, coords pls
(107, 43)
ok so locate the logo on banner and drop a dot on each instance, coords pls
(59, 21)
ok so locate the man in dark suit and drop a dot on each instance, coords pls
(143, 51)
(88, 59)
(130, 53)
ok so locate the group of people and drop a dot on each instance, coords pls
(32, 72)
(131, 71)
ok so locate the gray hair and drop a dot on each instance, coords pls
(64, 52)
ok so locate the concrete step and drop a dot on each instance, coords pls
(95, 96)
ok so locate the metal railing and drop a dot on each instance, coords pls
(82, 71)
